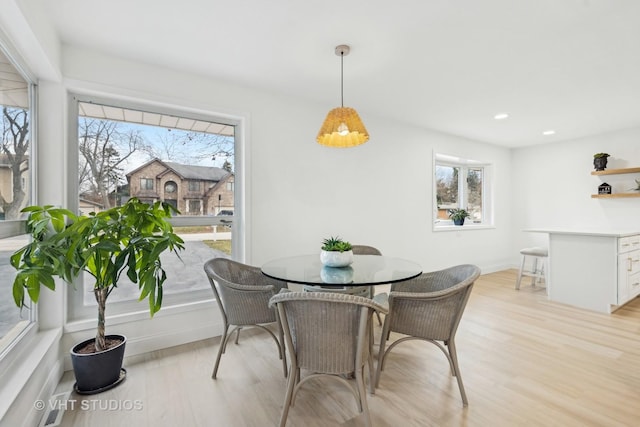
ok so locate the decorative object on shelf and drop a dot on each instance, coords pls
(637, 186)
(342, 127)
(122, 241)
(600, 161)
(336, 252)
(458, 215)
(604, 188)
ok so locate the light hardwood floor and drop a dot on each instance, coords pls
(525, 361)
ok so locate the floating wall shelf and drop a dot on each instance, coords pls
(614, 196)
(615, 172)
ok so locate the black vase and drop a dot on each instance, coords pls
(600, 163)
(97, 372)
(458, 221)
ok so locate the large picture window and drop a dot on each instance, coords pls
(185, 160)
(17, 109)
(461, 184)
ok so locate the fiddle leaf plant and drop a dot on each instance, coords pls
(335, 244)
(125, 239)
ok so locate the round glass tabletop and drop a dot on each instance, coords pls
(366, 270)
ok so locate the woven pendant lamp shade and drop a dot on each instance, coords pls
(342, 128)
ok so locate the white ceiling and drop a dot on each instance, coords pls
(450, 65)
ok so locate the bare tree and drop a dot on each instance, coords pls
(104, 147)
(15, 149)
(191, 147)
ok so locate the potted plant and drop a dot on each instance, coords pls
(458, 215)
(336, 252)
(127, 239)
(600, 161)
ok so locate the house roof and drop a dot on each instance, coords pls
(200, 173)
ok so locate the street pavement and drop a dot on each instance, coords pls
(185, 274)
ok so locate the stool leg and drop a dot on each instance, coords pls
(545, 266)
(534, 270)
(520, 273)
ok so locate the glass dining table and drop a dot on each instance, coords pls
(366, 270)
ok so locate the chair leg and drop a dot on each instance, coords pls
(281, 347)
(372, 377)
(291, 382)
(535, 271)
(221, 349)
(454, 359)
(386, 330)
(363, 396)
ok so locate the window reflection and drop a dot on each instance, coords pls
(15, 108)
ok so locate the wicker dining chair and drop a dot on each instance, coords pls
(428, 307)
(243, 294)
(327, 334)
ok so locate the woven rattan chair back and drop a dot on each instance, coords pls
(429, 308)
(327, 334)
(242, 293)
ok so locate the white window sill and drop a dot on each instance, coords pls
(465, 227)
(143, 314)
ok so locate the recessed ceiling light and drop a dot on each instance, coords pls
(501, 116)
(549, 132)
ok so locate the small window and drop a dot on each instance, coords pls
(461, 183)
(170, 187)
(146, 184)
(194, 185)
(194, 206)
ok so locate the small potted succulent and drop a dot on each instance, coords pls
(600, 161)
(336, 252)
(458, 215)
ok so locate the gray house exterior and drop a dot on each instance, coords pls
(193, 190)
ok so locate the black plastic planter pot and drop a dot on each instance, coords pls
(600, 163)
(98, 372)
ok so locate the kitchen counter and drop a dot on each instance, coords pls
(595, 269)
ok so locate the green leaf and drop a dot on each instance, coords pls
(18, 290)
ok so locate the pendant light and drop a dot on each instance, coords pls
(342, 127)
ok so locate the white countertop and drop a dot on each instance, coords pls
(587, 231)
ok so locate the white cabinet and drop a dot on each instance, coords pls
(593, 269)
(628, 268)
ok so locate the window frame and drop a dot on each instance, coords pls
(146, 181)
(77, 312)
(14, 228)
(464, 164)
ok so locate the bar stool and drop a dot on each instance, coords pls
(539, 268)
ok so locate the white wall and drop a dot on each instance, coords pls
(552, 186)
(300, 192)
(297, 192)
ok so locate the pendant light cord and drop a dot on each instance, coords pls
(342, 78)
